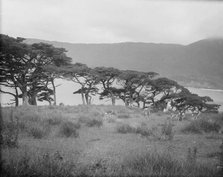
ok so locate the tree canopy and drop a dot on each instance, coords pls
(22, 66)
(31, 71)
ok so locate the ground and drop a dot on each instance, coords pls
(104, 143)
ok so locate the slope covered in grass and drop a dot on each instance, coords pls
(88, 141)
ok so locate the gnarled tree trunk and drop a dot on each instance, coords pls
(25, 98)
(54, 92)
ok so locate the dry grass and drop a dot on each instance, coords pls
(140, 164)
(94, 120)
(69, 129)
(167, 130)
(202, 125)
(163, 164)
(125, 128)
(114, 149)
(45, 164)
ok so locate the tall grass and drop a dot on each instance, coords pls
(125, 128)
(10, 131)
(38, 130)
(142, 130)
(202, 125)
(163, 164)
(158, 164)
(94, 120)
(167, 130)
(27, 165)
(69, 129)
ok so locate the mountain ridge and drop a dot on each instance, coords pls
(198, 64)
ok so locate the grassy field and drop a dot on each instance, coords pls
(108, 141)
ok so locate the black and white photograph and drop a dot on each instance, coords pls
(111, 88)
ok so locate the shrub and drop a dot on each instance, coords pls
(38, 131)
(123, 115)
(111, 120)
(54, 121)
(143, 130)
(69, 129)
(91, 122)
(94, 123)
(83, 118)
(125, 128)
(202, 125)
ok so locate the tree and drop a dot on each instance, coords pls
(84, 76)
(133, 83)
(53, 72)
(157, 90)
(107, 77)
(11, 54)
(22, 65)
(45, 95)
(185, 101)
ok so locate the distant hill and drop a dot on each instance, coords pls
(199, 64)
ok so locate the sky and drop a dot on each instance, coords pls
(111, 21)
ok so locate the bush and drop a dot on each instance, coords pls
(125, 128)
(54, 121)
(94, 123)
(143, 130)
(91, 122)
(38, 131)
(202, 125)
(123, 115)
(69, 129)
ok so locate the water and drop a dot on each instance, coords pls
(216, 95)
(65, 95)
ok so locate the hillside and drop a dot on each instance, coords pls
(197, 65)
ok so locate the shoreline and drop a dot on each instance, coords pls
(214, 90)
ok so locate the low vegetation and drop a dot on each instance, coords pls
(94, 120)
(69, 129)
(141, 164)
(48, 164)
(202, 125)
(59, 141)
(163, 164)
(167, 130)
(125, 128)
(38, 131)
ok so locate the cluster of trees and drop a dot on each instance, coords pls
(22, 68)
(32, 69)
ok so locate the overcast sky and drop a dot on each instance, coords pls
(108, 21)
